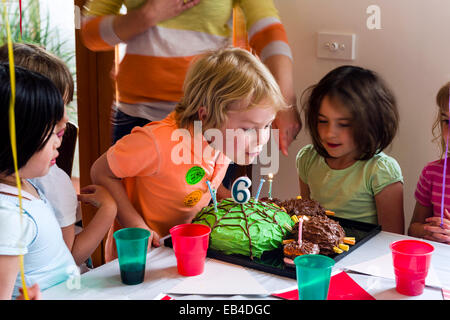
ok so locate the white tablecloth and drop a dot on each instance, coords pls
(161, 275)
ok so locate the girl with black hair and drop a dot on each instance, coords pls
(34, 233)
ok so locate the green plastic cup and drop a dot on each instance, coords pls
(131, 246)
(313, 276)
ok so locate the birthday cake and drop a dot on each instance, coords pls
(323, 231)
(293, 249)
(249, 229)
(298, 206)
(320, 234)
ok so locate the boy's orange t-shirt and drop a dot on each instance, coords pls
(164, 172)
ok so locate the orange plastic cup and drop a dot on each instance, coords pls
(411, 259)
(190, 244)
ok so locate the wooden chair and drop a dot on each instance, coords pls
(67, 149)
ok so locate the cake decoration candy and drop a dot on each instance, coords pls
(337, 250)
(349, 240)
(288, 227)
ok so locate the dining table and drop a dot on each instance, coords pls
(368, 266)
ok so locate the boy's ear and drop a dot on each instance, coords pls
(202, 114)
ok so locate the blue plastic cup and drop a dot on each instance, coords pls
(313, 276)
(132, 251)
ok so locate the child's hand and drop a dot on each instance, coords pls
(96, 195)
(154, 237)
(34, 293)
(438, 233)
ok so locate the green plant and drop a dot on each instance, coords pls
(36, 29)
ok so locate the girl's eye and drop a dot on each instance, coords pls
(323, 121)
(345, 125)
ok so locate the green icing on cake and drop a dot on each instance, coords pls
(248, 229)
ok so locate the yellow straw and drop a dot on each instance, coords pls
(12, 133)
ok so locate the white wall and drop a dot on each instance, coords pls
(61, 19)
(411, 52)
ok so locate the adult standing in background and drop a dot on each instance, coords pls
(163, 36)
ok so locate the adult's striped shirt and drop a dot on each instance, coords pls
(151, 74)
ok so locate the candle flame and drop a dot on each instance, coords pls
(270, 176)
(305, 218)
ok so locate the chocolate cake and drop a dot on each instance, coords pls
(292, 249)
(298, 206)
(323, 231)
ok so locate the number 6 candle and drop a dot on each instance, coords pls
(239, 190)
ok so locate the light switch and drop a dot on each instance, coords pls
(340, 46)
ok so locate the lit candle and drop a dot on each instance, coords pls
(270, 185)
(213, 195)
(300, 230)
(261, 182)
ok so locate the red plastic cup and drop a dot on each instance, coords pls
(411, 259)
(190, 243)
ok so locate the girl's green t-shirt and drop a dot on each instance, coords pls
(349, 192)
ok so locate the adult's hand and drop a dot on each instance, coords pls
(148, 15)
(160, 10)
(289, 124)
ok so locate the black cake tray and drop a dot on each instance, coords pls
(272, 261)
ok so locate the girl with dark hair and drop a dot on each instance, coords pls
(56, 185)
(34, 233)
(352, 117)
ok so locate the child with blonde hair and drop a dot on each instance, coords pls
(352, 117)
(159, 181)
(426, 221)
